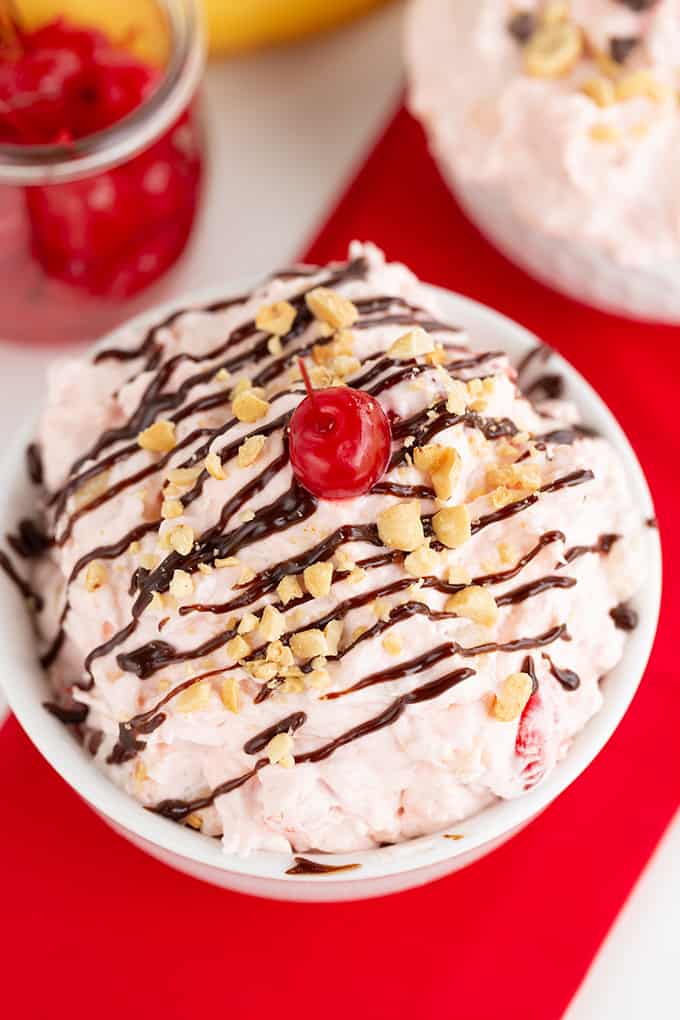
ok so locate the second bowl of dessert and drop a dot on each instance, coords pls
(556, 125)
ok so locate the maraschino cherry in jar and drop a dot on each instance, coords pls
(100, 160)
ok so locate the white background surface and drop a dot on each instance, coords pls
(286, 130)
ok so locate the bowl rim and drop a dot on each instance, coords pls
(75, 766)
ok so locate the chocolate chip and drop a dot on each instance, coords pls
(621, 47)
(521, 26)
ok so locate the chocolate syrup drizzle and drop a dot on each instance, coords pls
(624, 617)
(379, 373)
(566, 677)
(303, 866)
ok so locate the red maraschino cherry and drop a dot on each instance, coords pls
(339, 441)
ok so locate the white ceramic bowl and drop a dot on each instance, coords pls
(382, 870)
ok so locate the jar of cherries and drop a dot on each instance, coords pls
(100, 160)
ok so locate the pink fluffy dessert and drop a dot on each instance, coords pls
(558, 126)
(286, 671)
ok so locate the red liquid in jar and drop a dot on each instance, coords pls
(73, 255)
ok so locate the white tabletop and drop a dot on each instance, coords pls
(286, 129)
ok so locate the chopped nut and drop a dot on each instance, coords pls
(214, 467)
(279, 750)
(194, 821)
(356, 575)
(318, 579)
(442, 463)
(382, 609)
(604, 133)
(345, 365)
(158, 438)
(237, 648)
(458, 574)
(171, 508)
(553, 49)
(245, 516)
(228, 561)
(400, 527)
(248, 623)
(246, 576)
(413, 344)
(422, 563)
(149, 561)
(274, 345)
(91, 489)
(272, 624)
(194, 698)
(205, 568)
(321, 377)
(557, 10)
(249, 407)
(308, 643)
(502, 496)
(289, 589)
(279, 653)
(263, 670)
(474, 603)
(183, 476)
(392, 644)
(600, 90)
(95, 575)
(277, 318)
(515, 476)
(318, 679)
(456, 395)
(329, 306)
(511, 701)
(333, 633)
(182, 584)
(642, 84)
(250, 450)
(223, 376)
(181, 539)
(452, 526)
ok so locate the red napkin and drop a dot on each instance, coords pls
(94, 928)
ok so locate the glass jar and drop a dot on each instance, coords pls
(90, 223)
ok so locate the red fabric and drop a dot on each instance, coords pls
(94, 928)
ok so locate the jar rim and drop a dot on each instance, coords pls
(120, 141)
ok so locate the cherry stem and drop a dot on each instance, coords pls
(308, 384)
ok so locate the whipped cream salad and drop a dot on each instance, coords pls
(286, 670)
(558, 125)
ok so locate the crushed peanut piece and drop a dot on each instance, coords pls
(171, 508)
(194, 821)
(158, 438)
(413, 344)
(181, 539)
(502, 496)
(514, 694)
(356, 575)
(274, 345)
(422, 563)
(642, 84)
(149, 561)
(458, 574)
(345, 365)
(443, 464)
(515, 476)
(228, 561)
(452, 526)
(289, 589)
(183, 476)
(249, 407)
(553, 50)
(95, 575)
(249, 450)
(318, 579)
(272, 624)
(181, 585)
(277, 318)
(246, 576)
(248, 623)
(279, 750)
(474, 603)
(604, 133)
(214, 466)
(194, 698)
(333, 633)
(318, 679)
(400, 526)
(392, 644)
(237, 648)
(223, 376)
(308, 644)
(279, 653)
(601, 90)
(329, 306)
(456, 395)
(263, 670)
